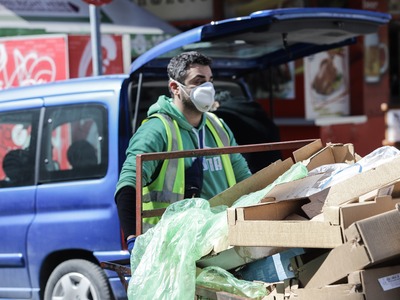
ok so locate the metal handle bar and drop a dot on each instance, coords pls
(200, 152)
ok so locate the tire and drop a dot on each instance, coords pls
(77, 279)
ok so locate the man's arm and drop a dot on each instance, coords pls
(148, 138)
(126, 206)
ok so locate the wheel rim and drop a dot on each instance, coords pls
(74, 286)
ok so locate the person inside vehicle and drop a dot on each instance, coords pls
(179, 122)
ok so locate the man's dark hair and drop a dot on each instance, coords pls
(179, 64)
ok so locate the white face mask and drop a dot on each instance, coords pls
(202, 95)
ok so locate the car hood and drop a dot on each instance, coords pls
(263, 39)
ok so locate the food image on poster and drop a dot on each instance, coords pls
(326, 84)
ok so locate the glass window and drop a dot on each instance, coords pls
(18, 147)
(74, 143)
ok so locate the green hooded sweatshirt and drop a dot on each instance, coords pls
(151, 137)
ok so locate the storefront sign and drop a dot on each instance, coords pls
(32, 60)
(45, 58)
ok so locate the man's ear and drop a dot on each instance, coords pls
(174, 88)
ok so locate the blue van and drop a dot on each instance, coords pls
(62, 145)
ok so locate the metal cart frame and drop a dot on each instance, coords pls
(121, 267)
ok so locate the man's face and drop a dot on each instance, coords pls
(196, 75)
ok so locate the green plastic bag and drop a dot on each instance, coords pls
(163, 261)
(221, 280)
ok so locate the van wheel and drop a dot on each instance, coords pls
(77, 279)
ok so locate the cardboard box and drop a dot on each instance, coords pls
(370, 284)
(254, 183)
(364, 186)
(334, 292)
(370, 183)
(365, 183)
(222, 254)
(369, 242)
(378, 283)
(273, 268)
(315, 154)
(235, 257)
(264, 224)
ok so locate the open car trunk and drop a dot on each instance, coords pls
(240, 46)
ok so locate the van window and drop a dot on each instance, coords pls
(225, 90)
(18, 136)
(74, 143)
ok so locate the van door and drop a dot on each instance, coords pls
(18, 144)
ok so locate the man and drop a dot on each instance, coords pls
(181, 122)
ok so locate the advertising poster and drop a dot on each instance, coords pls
(80, 55)
(326, 79)
(40, 59)
(32, 60)
(376, 58)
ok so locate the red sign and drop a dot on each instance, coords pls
(32, 60)
(97, 2)
(80, 55)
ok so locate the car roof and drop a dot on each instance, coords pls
(80, 85)
(263, 39)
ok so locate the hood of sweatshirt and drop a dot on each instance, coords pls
(166, 106)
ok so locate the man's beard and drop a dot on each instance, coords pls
(187, 103)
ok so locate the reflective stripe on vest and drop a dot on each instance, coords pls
(165, 190)
(222, 139)
(168, 188)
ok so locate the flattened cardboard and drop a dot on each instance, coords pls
(254, 183)
(264, 224)
(370, 241)
(363, 183)
(358, 187)
(380, 234)
(352, 212)
(306, 234)
(363, 284)
(295, 189)
(334, 292)
(373, 282)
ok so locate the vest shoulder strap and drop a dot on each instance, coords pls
(216, 126)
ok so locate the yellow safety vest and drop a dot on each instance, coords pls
(165, 190)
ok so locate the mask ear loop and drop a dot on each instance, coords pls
(182, 86)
